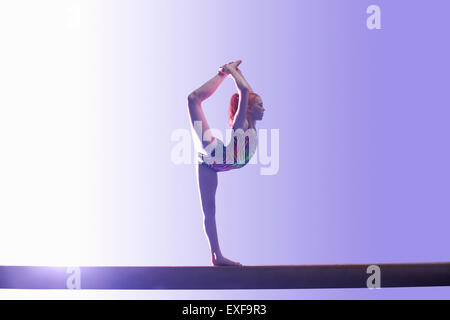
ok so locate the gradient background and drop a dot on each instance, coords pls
(92, 91)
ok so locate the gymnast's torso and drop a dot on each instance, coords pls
(235, 155)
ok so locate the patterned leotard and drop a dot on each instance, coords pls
(234, 156)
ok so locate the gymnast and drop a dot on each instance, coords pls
(246, 107)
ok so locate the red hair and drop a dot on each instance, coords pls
(234, 103)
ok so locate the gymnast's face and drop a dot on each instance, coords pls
(256, 109)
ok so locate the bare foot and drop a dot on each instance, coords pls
(222, 261)
(229, 67)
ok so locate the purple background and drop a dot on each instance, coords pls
(363, 120)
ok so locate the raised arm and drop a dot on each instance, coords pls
(245, 80)
(243, 89)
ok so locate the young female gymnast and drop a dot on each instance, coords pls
(245, 109)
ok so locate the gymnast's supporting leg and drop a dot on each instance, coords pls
(207, 180)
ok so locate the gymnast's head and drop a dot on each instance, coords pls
(255, 109)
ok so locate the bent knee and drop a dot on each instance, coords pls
(193, 98)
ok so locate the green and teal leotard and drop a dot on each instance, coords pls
(234, 156)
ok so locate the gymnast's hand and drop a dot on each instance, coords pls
(230, 67)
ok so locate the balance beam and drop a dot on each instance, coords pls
(246, 277)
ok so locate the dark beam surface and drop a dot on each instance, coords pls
(247, 277)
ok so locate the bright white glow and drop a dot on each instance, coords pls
(40, 141)
(80, 175)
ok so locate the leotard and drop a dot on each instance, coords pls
(234, 156)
